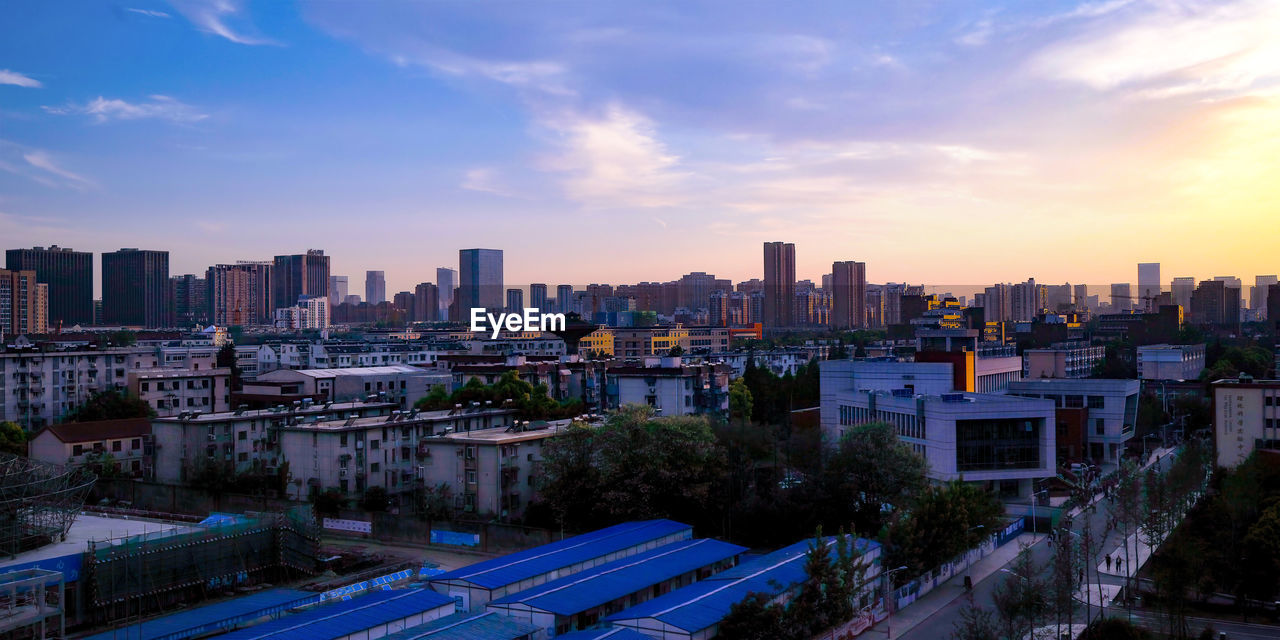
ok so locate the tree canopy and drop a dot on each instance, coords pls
(530, 402)
(110, 405)
(13, 439)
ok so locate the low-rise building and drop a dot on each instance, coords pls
(106, 446)
(1062, 360)
(1170, 361)
(401, 384)
(1246, 418)
(172, 391)
(671, 388)
(1104, 411)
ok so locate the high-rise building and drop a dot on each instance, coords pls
(1273, 305)
(404, 301)
(446, 284)
(1028, 300)
(69, 275)
(515, 300)
(426, 303)
(1258, 295)
(190, 299)
(1080, 296)
(241, 294)
(1148, 284)
(779, 283)
(848, 295)
(21, 300)
(564, 298)
(295, 276)
(338, 289)
(479, 280)
(996, 303)
(1182, 288)
(1212, 303)
(1121, 297)
(695, 290)
(135, 288)
(375, 287)
(538, 296)
(1234, 296)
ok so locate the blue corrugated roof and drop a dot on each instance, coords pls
(484, 625)
(615, 633)
(499, 572)
(221, 615)
(345, 617)
(703, 604)
(607, 582)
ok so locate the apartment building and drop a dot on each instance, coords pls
(1170, 361)
(1062, 360)
(126, 444)
(172, 391)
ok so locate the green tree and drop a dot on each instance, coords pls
(1019, 598)
(675, 351)
(435, 400)
(871, 472)
(739, 400)
(941, 523)
(756, 617)
(975, 623)
(110, 405)
(226, 358)
(13, 439)
(570, 483)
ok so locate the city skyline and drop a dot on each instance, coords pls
(694, 133)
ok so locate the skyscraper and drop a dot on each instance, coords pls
(135, 288)
(446, 282)
(338, 288)
(564, 298)
(298, 275)
(23, 303)
(849, 293)
(1148, 284)
(1121, 297)
(1258, 295)
(69, 275)
(375, 287)
(1182, 288)
(779, 283)
(190, 300)
(1080, 296)
(538, 296)
(479, 280)
(515, 300)
(1210, 304)
(240, 294)
(426, 303)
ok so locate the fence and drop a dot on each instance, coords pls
(917, 588)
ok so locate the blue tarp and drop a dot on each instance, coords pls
(509, 569)
(345, 617)
(213, 617)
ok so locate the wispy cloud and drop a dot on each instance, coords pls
(215, 16)
(42, 160)
(151, 13)
(21, 80)
(1170, 50)
(157, 106)
(39, 166)
(485, 180)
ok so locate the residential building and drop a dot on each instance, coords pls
(375, 287)
(135, 288)
(1028, 300)
(69, 275)
(1182, 289)
(1111, 410)
(447, 283)
(243, 440)
(1170, 361)
(399, 383)
(426, 303)
(1213, 303)
(480, 280)
(1246, 418)
(1062, 360)
(1080, 297)
(309, 313)
(1258, 296)
(23, 303)
(670, 387)
(779, 284)
(538, 296)
(172, 391)
(126, 444)
(1121, 298)
(240, 294)
(294, 276)
(338, 290)
(190, 297)
(515, 301)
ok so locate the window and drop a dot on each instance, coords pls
(243, 457)
(242, 435)
(1096, 402)
(373, 444)
(342, 440)
(1075, 402)
(1099, 427)
(146, 386)
(116, 445)
(471, 477)
(997, 444)
(136, 443)
(77, 450)
(375, 467)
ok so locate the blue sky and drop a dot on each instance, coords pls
(956, 142)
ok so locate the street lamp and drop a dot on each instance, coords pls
(888, 625)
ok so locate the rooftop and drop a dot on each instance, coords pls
(615, 633)
(221, 615)
(313, 409)
(509, 569)
(99, 430)
(386, 370)
(86, 528)
(620, 578)
(487, 625)
(346, 617)
(179, 373)
(399, 419)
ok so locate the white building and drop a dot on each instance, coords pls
(1112, 410)
(1170, 361)
(1067, 360)
(1004, 441)
(172, 391)
(127, 442)
(672, 388)
(401, 384)
(1246, 417)
(309, 313)
(39, 387)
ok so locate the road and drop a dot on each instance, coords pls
(941, 623)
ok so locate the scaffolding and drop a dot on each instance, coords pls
(32, 600)
(38, 502)
(129, 577)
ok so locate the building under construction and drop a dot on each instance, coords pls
(38, 502)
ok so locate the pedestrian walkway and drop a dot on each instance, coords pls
(1097, 594)
(1123, 565)
(942, 595)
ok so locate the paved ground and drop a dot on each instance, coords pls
(446, 559)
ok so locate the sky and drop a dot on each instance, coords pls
(939, 142)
